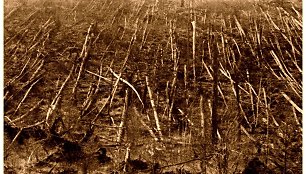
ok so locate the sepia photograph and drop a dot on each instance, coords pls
(152, 86)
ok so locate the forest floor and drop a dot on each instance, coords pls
(116, 86)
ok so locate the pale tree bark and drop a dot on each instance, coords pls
(123, 125)
(158, 128)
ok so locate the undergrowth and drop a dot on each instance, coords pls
(152, 86)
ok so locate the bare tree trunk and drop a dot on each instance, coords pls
(123, 125)
(193, 49)
(203, 132)
(158, 128)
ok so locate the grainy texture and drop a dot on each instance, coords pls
(152, 86)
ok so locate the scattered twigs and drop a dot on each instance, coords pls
(291, 81)
(188, 161)
(11, 12)
(20, 34)
(22, 72)
(250, 65)
(101, 109)
(140, 117)
(27, 113)
(38, 36)
(20, 131)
